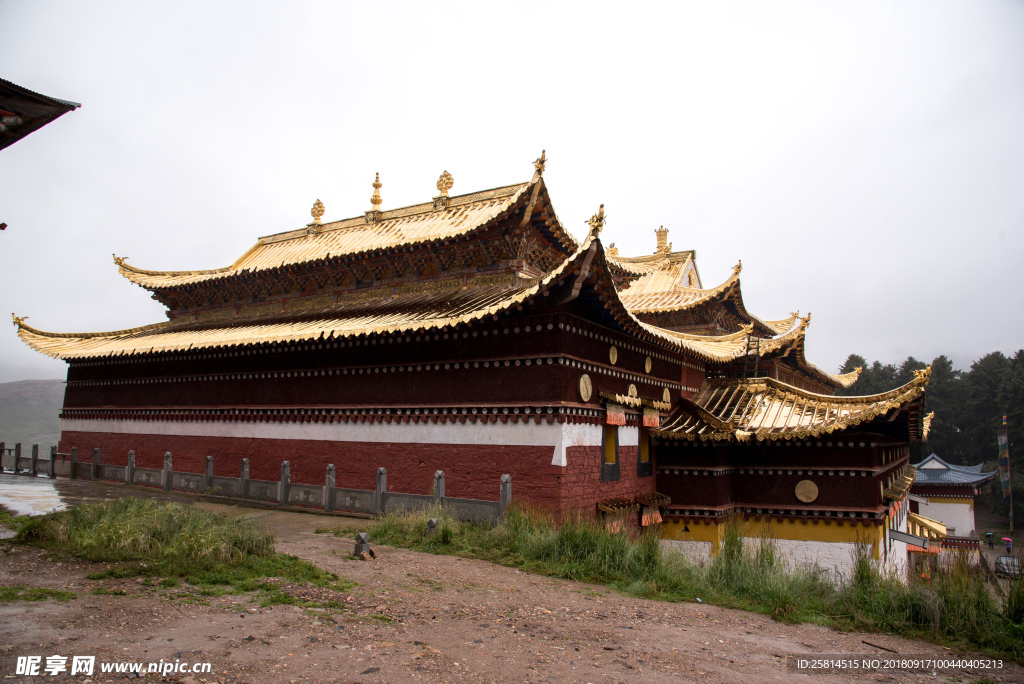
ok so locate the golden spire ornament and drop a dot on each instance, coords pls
(596, 222)
(444, 184)
(664, 246)
(317, 211)
(376, 200)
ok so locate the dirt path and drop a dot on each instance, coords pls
(426, 618)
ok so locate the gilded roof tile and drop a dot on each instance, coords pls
(764, 408)
(418, 312)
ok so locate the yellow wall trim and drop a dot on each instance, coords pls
(795, 530)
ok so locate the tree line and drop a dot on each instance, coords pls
(968, 405)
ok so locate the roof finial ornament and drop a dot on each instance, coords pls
(539, 163)
(373, 215)
(119, 260)
(445, 183)
(738, 267)
(376, 200)
(806, 320)
(596, 222)
(795, 314)
(18, 320)
(612, 250)
(664, 246)
(317, 211)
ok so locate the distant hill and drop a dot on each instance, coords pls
(29, 413)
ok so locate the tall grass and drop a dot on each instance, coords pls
(159, 538)
(161, 532)
(955, 608)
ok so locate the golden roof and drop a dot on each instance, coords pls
(763, 408)
(412, 225)
(378, 311)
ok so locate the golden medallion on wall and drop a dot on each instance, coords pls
(631, 391)
(648, 364)
(613, 355)
(586, 388)
(806, 491)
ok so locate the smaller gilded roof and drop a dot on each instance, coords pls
(763, 408)
(406, 226)
(784, 325)
(900, 487)
(661, 289)
(926, 527)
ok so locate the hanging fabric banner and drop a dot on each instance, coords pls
(616, 414)
(651, 418)
(1004, 468)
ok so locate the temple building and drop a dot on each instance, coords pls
(474, 334)
(945, 492)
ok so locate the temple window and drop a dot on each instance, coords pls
(643, 466)
(610, 451)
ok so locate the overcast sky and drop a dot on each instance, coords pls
(865, 160)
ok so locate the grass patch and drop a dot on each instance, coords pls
(153, 539)
(21, 593)
(954, 609)
(103, 591)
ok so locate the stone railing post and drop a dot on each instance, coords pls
(208, 479)
(3, 453)
(17, 458)
(285, 484)
(166, 475)
(505, 496)
(51, 472)
(34, 463)
(244, 484)
(95, 464)
(439, 486)
(74, 462)
(129, 470)
(382, 488)
(329, 489)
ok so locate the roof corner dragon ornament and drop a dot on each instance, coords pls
(596, 222)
